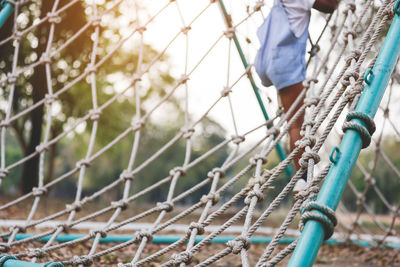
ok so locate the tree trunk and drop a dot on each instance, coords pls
(30, 172)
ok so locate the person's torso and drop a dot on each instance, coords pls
(298, 13)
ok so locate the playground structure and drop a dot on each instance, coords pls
(351, 69)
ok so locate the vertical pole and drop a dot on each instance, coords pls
(5, 12)
(336, 180)
(228, 21)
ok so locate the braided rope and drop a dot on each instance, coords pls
(327, 91)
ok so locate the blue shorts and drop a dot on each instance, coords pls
(280, 61)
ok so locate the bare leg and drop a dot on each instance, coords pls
(288, 95)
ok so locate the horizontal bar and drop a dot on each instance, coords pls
(167, 239)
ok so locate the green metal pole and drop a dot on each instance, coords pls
(336, 180)
(228, 21)
(5, 12)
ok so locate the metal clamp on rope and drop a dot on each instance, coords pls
(4, 258)
(326, 216)
(365, 131)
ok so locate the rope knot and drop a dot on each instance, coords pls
(307, 156)
(141, 29)
(83, 163)
(254, 193)
(136, 78)
(45, 58)
(94, 114)
(138, 124)
(17, 36)
(36, 252)
(184, 78)
(311, 101)
(102, 233)
(167, 206)
(326, 216)
(237, 139)
(91, 69)
(96, 21)
(74, 207)
(360, 200)
(183, 257)
(177, 170)
(18, 228)
(188, 133)
(5, 124)
(3, 173)
(126, 175)
(140, 235)
(238, 244)
(355, 54)
(65, 227)
(53, 17)
(305, 193)
(347, 33)
(273, 131)
(370, 180)
(39, 191)
(214, 197)
(306, 141)
(230, 32)
(226, 91)
(314, 50)
(12, 78)
(253, 161)
(122, 204)
(84, 260)
(198, 226)
(41, 148)
(186, 29)
(214, 171)
(351, 94)
(348, 74)
(50, 99)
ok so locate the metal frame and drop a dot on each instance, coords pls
(336, 180)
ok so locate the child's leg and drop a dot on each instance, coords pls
(288, 95)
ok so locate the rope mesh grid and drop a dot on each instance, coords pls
(334, 83)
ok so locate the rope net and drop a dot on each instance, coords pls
(97, 74)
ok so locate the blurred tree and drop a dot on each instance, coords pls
(77, 101)
(31, 87)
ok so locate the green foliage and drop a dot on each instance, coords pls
(385, 178)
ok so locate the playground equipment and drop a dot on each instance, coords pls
(351, 69)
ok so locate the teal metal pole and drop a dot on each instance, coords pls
(5, 12)
(336, 180)
(279, 148)
(168, 239)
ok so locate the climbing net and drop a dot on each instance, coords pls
(241, 191)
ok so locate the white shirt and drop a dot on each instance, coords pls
(298, 12)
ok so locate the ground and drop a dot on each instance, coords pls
(329, 255)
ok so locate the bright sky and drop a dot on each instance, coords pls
(210, 77)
